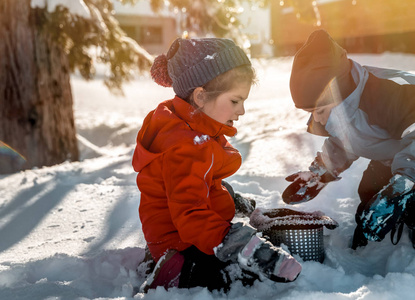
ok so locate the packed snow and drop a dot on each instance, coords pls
(72, 231)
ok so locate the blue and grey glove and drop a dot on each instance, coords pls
(384, 210)
(242, 245)
(306, 185)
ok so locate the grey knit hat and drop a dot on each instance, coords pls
(191, 63)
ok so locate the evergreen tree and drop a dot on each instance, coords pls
(38, 51)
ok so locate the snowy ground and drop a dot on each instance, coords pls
(72, 231)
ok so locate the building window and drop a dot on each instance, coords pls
(130, 31)
(151, 35)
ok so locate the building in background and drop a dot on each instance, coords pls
(369, 26)
(256, 23)
(365, 26)
(154, 32)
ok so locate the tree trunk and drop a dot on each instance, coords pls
(36, 107)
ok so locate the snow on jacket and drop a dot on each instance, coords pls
(373, 122)
(182, 157)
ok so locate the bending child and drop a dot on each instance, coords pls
(181, 158)
(365, 112)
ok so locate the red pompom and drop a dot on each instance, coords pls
(159, 71)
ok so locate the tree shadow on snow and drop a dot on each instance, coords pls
(123, 214)
(30, 215)
(30, 206)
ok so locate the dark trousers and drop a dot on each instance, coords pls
(200, 269)
(374, 178)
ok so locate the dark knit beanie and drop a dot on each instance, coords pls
(319, 63)
(191, 63)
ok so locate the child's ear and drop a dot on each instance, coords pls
(198, 97)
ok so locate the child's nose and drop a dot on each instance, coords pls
(241, 110)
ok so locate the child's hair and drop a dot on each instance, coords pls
(196, 62)
(225, 82)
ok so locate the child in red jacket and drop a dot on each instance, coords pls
(181, 158)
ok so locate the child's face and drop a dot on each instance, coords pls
(321, 114)
(227, 107)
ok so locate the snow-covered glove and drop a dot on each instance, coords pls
(243, 206)
(307, 184)
(242, 245)
(381, 213)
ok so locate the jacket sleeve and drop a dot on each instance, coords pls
(404, 161)
(188, 178)
(335, 157)
(399, 76)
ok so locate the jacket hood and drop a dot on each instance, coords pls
(168, 125)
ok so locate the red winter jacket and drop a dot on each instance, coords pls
(182, 157)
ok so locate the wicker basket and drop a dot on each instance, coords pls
(301, 232)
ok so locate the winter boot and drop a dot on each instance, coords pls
(148, 264)
(145, 268)
(166, 273)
